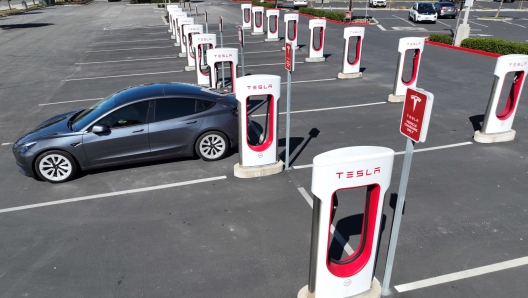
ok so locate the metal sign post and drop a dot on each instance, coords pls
(289, 64)
(414, 125)
(241, 42)
(221, 28)
(196, 12)
(206, 26)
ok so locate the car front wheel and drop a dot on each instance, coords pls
(212, 146)
(55, 166)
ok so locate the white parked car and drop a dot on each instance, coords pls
(423, 12)
(374, 3)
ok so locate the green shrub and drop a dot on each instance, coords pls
(335, 15)
(442, 38)
(495, 45)
(263, 4)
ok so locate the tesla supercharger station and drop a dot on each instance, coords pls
(188, 32)
(415, 44)
(201, 42)
(351, 63)
(246, 15)
(273, 24)
(182, 22)
(176, 35)
(317, 33)
(497, 125)
(260, 159)
(291, 19)
(215, 58)
(368, 167)
(172, 9)
(258, 20)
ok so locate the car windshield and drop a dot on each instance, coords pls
(425, 6)
(98, 109)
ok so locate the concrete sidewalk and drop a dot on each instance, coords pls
(17, 5)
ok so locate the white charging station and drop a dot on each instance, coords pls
(182, 22)
(415, 44)
(260, 159)
(369, 167)
(202, 44)
(317, 33)
(258, 20)
(246, 15)
(170, 10)
(351, 67)
(188, 32)
(291, 19)
(214, 59)
(175, 28)
(497, 125)
(273, 24)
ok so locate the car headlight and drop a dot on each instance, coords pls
(26, 146)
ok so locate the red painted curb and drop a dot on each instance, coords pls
(332, 21)
(479, 52)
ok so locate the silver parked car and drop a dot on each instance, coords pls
(136, 124)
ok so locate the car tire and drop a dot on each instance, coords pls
(434, 22)
(409, 18)
(414, 19)
(55, 166)
(212, 145)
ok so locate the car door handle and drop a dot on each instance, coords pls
(138, 131)
(192, 122)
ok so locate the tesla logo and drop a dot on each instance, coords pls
(358, 173)
(223, 55)
(513, 64)
(354, 32)
(320, 24)
(416, 100)
(414, 43)
(204, 39)
(260, 87)
(192, 29)
(347, 282)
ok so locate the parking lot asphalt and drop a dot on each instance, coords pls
(189, 228)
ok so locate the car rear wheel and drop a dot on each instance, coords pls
(55, 166)
(212, 146)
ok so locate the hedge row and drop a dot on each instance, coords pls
(442, 38)
(332, 15)
(263, 4)
(492, 45)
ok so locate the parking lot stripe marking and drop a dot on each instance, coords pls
(128, 75)
(478, 24)
(462, 275)
(404, 20)
(336, 234)
(131, 49)
(129, 27)
(327, 109)
(59, 102)
(4, 144)
(514, 24)
(245, 53)
(309, 81)
(129, 60)
(244, 42)
(268, 64)
(443, 23)
(382, 28)
(403, 152)
(112, 194)
(135, 34)
(111, 42)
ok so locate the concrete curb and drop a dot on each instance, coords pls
(495, 20)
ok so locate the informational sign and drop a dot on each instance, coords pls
(221, 24)
(240, 36)
(289, 57)
(468, 3)
(348, 15)
(416, 114)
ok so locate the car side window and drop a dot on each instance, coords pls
(133, 114)
(203, 105)
(171, 108)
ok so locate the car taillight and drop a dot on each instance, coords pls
(443, 8)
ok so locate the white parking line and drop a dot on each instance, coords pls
(478, 24)
(267, 64)
(443, 23)
(403, 20)
(4, 144)
(382, 28)
(514, 24)
(261, 52)
(59, 102)
(232, 43)
(125, 41)
(128, 60)
(112, 194)
(462, 275)
(132, 27)
(326, 109)
(336, 234)
(135, 34)
(403, 152)
(129, 49)
(128, 75)
(310, 81)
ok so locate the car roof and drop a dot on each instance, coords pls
(138, 92)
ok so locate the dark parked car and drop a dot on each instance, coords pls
(446, 9)
(136, 124)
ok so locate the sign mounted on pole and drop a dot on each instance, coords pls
(416, 114)
(289, 57)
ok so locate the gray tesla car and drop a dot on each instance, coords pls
(136, 124)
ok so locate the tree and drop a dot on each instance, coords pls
(498, 10)
(9, 3)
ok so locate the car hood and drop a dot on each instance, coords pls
(56, 125)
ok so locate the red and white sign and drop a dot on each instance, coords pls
(289, 60)
(240, 36)
(416, 114)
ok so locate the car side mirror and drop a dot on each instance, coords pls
(99, 128)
